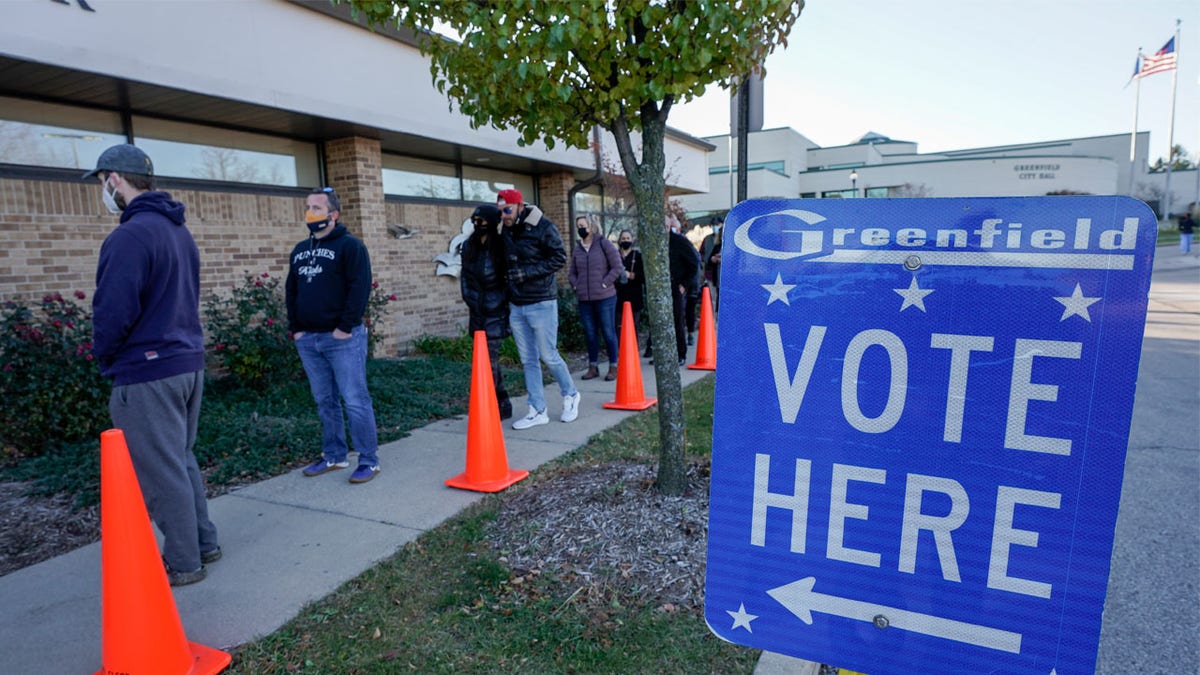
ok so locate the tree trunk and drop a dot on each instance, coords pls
(647, 184)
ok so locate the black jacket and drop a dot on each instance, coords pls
(534, 246)
(328, 283)
(685, 262)
(484, 288)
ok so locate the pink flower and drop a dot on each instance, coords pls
(265, 275)
(258, 283)
(80, 294)
(392, 296)
(270, 322)
(57, 323)
(89, 357)
(374, 284)
(218, 346)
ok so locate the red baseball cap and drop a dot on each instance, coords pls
(511, 197)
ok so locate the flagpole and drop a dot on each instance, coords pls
(1133, 135)
(1171, 132)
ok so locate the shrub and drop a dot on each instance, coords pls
(377, 309)
(49, 380)
(570, 324)
(247, 333)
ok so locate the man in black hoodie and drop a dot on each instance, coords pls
(328, 285)
(147, 338)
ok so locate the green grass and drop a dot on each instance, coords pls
(447, 603)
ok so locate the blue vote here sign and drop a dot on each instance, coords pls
(920, 424)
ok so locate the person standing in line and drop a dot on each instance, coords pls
(327, 288)
(485, 291)
(535, 252)
(147, 338)
(595, 267)
(710, 259)
(684, 265)
(633, 290)
(1187, 225)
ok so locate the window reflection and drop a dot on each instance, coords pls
(43, 134)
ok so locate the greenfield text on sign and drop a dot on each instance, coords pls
(921, 416)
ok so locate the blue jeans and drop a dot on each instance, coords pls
(337, 369)
(599, 315)
(535, 330)
(1185, 242)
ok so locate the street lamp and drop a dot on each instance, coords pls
(854, 182)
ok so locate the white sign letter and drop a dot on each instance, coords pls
(1024, 390)
(960, 347)
(940, 526)
(1004, 536)
(840, 510)
(896, 391)
(797, 502)
(791, 392)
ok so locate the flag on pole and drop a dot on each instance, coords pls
(1160, 62)
(1137, 68)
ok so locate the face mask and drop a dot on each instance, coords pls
(716, 229)
(315, 222)
(110, 199)
(626, 244)
(583, 232)
(481, 226)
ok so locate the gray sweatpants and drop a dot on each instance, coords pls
(159, 420)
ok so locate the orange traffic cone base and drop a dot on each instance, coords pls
(205, 660)
(702, 366)
(636, 405)
(463, 483)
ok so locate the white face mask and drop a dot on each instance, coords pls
(110, 199)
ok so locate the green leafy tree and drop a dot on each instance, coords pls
(1179, 160)
(552, 70)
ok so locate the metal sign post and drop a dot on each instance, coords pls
(920, 426)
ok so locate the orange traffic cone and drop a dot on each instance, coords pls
(142, 633)
(706, 342)
(630, 395)
(487, 461)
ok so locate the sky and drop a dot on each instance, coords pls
(958, 74)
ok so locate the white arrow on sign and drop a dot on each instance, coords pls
(800, 599)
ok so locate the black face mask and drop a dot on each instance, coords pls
(626, 244)
(583, 232)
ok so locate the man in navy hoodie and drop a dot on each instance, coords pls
(328, 285)
(147, 338)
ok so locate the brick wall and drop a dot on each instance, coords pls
(51, 232)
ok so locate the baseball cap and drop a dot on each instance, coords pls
(124, 158)
(512, 197)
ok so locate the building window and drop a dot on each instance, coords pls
(186, 150)
(482, 185)
(880, 192)
(807, 195)
(45, 134)
(412, 177)
(838, 194)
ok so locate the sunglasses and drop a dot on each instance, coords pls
(508, 210)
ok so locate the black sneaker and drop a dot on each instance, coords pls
(176, 578)
(212, 556)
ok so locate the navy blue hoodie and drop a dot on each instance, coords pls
(328, 283)
(146, 311)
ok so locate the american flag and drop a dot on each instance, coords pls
(1160, 62)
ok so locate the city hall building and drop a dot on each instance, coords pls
(243, 108)
(783, 163)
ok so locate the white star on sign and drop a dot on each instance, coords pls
(914, 296)
(779, 290)
(1077, 304)
(741, 619)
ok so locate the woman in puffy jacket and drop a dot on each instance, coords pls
(595, 266)
(485, 291)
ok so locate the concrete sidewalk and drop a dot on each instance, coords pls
(288, 540)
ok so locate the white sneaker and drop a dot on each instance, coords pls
(533, 419)
(570, 407)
